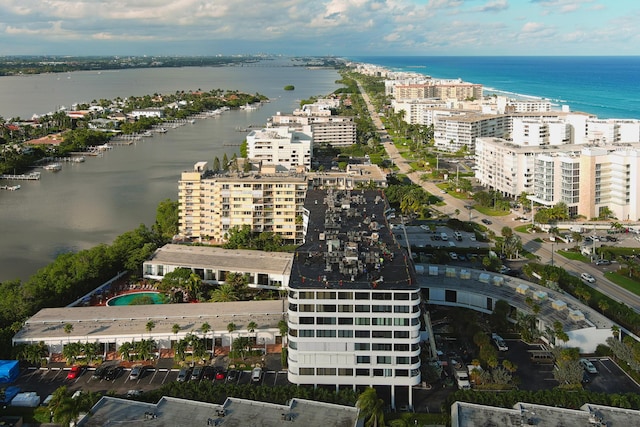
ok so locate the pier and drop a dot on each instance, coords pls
(33, 176)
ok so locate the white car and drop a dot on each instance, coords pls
(587, 277)
(588, 366)
(453, 255)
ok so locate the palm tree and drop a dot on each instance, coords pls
(175, 328)
(68, 328)
(283, 327)
(230, 328)
(615, 330)
(226, 292)
(205, 328)
(371, 407)
(144, 349)
(124, 350)
(149, 326)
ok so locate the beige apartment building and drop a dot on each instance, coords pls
(211, 204)
(442, 89)
(337, 131)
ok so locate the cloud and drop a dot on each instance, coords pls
(494, 6)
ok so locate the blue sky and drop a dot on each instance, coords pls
(320, 27)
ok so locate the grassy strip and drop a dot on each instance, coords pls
(623, 281)
(575, 256)
(490, 211)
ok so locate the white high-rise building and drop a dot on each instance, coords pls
(283, 147)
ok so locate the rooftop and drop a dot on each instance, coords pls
(223, 259)
(470, 414)
(232, 413)
(350, 244)
(100, 322)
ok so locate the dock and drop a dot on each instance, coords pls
(33, 176)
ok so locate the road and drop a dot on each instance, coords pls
(541, 250)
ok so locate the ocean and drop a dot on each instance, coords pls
(607, 86)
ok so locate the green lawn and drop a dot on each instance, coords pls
(522, 228)
(490, 211)
(624, 282)
(575, 256)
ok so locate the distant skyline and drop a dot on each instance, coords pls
(320, 27)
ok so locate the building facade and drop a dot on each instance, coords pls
(338, 131)
(210, 205)
(283, 147)
(354, 309)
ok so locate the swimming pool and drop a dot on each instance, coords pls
(126, 299)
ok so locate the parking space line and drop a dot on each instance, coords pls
(604, 365)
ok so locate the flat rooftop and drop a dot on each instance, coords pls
(171, 412)
(104, 322)
(223, 259)
(470, 414)
(349, 244)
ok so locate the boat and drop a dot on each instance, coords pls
(54, 167)
(146, 133)
(160, 130)
(10, 187)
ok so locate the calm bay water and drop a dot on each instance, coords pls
(93, 202)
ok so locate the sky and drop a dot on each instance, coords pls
(320, 27)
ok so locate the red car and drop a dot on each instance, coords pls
(74, 372)
(220, 375)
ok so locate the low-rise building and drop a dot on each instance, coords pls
(283, 147)
(267, 270)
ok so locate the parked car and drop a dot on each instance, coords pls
(256, 374)
(99, 373)
(134, 393)
(220, 375)
(184, 374)
(453, 256)
(232, 375)
(113, 373)
(587, 277)
(208, 373)
(603, 262)
(75, 372)
(196, 374)
(486, 221)
(588, 366)
(136, 373)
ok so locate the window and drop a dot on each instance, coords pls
(362, 321)
(381, 347)
(345, 372)
(306, 333)
(384, 360)
(362, 308)
(401, 309)
(345, 309)
(306, 321)
(307, 308)
(306, 371)
(345, 295)
(362, 295)
(402, 360)
(345, 333)
(324, 333)
(325, 308)
(361, 346)
(363, 359)
(363, 372)
(401, 334)
(345, 321)
(325, 371)
(401, 347)
(384, 296)
(326, 295)
(326, 320)
(401, 296)
(293, 345)
(381, 334)
(362, 334)
(401, 322)
(307, 295)
(381, 321)
(381, 308)
(402, 372)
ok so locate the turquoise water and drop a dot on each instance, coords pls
(126, 299)
(604, 86)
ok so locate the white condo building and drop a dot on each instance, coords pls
(338, 131)
(586, 178)
(283, 147)
(354, 306)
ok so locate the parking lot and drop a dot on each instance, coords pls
(423, 237)
(46, 381)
